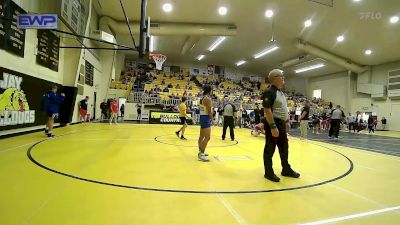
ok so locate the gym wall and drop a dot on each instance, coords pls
(69, 62)
(341, 88)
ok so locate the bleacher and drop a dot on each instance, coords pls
(241, 93)
(174, 81)
(121, 85)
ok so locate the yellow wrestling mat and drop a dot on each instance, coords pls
(143, 174)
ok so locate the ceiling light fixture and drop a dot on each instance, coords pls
(394, 19)
(222, 10)
(266, 51)
(269, 13)
(308, 68)
(340, 38)
(307, 23)
(167, 7)
(241, 62)
(200, 57)
(216, 43)
(368, 52)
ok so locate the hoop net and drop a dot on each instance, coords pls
(159, 59)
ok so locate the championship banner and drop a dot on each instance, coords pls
(21, 99)
(12, 39)
(161, 117)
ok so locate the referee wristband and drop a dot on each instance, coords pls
(273, 126)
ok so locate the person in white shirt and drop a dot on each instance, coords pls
(336, 117)
(351, 122)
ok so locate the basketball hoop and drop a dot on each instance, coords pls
(159, 59)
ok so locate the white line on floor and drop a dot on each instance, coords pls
(366, 167)
(350, 192)
(42, 205)
(231, 210)
(30, 143)
(16, 147)
(358, 215)
(239, 219)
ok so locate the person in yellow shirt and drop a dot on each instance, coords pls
(182, 116)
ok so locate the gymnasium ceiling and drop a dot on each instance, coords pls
(346, 17)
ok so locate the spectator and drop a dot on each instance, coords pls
(220, 115)
(114, 111)
(371, 125)
(383, 123)
(359, 121)
(139, 112)
(316, 124)
(336, 118)
(83, 108)
(351, 122)
(103, 107)
(257, 117)
(122, 110)
(304, 120)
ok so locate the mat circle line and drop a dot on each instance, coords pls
(32, 159)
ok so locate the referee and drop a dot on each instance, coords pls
(229, 112)
(277, 121)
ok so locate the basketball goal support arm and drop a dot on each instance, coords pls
(143, 34)
(127, 23)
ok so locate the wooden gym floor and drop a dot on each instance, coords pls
(100, 174)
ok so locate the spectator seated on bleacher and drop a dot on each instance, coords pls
(157, 89)
(177, 86)
(163, 82)
(166, 89)
(170, 85)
